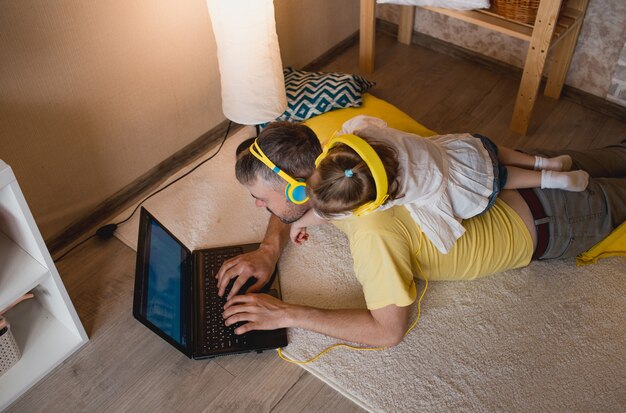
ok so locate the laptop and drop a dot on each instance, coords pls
(176, 295)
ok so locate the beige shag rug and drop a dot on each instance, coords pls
(547, 338)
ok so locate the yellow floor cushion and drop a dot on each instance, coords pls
(326, 124)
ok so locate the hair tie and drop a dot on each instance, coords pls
(348, 173)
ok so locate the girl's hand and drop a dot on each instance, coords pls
(298, 234)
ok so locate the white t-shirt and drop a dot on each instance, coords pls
(444, 179)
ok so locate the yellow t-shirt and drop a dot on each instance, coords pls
(389, 249)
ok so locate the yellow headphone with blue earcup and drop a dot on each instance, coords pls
(373, 162)
(295, 191)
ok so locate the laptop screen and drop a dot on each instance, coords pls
(165, 272)
(162, 293)
(165, 302)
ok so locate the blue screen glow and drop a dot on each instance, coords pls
(164, 301)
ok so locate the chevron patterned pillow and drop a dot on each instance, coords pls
(314, 93)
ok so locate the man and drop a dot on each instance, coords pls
(389, 249)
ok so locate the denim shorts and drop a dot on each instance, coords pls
(499, 171)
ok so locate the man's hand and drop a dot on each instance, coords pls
(259, 264)
(257, 311)
(382, 327)
(298, 234)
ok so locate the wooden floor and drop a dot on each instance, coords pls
(125, 367)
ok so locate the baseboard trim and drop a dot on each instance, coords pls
(570, 93)
(132, 192)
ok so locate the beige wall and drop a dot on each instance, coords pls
(597, 51)
(94, 94)
(308, 28)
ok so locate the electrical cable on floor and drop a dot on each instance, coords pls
(107, 231)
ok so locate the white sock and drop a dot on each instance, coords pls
(558, 163)
(574, 181)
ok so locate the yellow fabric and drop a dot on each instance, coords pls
(613, 245)
(389, 250)
(383, 246)
(495, 241)
(326, 124)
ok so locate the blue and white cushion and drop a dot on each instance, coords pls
(313, 93)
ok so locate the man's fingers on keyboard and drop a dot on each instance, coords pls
(222, 284)
(225, 266)
(230, 268)
(245, 328)
(238, 299)
(257, 286)
(238, 313)
(228, 275)
(239, 282)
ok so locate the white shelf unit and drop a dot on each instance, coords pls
(47, 328)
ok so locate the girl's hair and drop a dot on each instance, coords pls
(333, 193)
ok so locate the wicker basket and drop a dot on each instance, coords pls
(523, 11)
(9, 351)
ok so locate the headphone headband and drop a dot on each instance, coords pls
(373, 162)
(295, 190)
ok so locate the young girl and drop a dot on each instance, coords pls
(440, 180)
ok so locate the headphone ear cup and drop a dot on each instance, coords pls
(296, 193)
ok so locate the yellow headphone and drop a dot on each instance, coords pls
(295, 191)
(371, 159)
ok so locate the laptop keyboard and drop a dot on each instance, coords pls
(218, 335)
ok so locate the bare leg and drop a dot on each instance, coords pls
(514, 158)
(511, 157)
(599, 162)
(519, 178)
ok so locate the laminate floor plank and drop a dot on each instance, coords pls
(611, 132)
(569, 125)
(299, 396)
(258, 388)
(328, 400)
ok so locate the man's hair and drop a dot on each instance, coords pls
(292, 147)
(334, 192)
